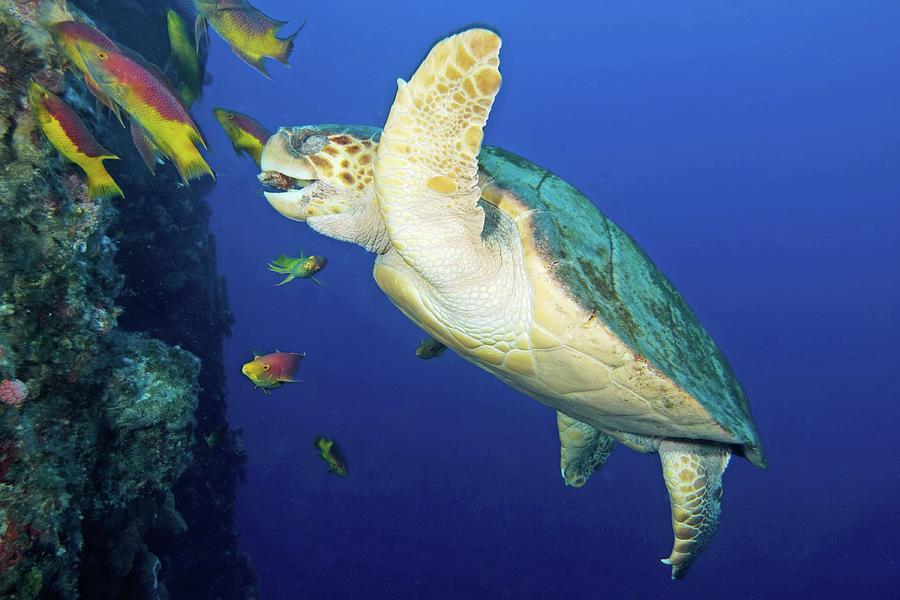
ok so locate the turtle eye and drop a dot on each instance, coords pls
(266, 367)
(305, 141)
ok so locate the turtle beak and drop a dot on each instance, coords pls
(291, 204)
(285, 174)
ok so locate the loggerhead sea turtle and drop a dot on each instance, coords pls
(516, 271)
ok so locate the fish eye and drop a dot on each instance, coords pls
(266, 367)
(102, 55)
(231, 117)
(44, 95)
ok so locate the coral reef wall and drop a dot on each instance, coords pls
(112, 316)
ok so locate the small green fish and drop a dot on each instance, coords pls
(331, 453)
(214, 439)
(430, 348)
(302, 267)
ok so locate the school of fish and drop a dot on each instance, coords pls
(156, 103)
(157, 109)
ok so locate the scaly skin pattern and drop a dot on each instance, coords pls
(151, 103)
(246, 134)
(250, 33)
(693, 475)
(73, 140)
(466, 293)
(582, 449)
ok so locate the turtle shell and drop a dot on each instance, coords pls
(606, 273)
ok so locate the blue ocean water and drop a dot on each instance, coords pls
(753, 150)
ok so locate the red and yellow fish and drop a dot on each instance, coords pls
(73, 140)
(249, 32)
(246, 134)
(269, 371)
(150, 101)
(66, 35)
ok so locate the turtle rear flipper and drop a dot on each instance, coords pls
(693, 474)
(583, 449)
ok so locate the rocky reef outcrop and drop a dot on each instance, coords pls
(112, 316)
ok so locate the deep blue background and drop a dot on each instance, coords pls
(753, 152)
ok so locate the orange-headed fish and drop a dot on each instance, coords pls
(331, 453)
(249, 32)
(152, 103)
(246, 134)
(72, 139)
(66, 35)
(269, 371)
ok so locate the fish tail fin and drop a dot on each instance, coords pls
(287, 46)
(100, 184)
(254, 61)
(190, 164)
(318, 442)
(200, 31)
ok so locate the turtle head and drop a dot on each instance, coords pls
(323, 174)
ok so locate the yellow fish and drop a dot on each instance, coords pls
(148, 98)
(331, 453)
(249, 32)
(245, 133)
(73, 140)
(183, 55)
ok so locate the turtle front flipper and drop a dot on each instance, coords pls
(693, 473)
(582, 449)
(426, 171)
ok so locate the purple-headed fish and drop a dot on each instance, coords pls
(150, 101)
(249, 32)
(269, 371)
(246, 134)
(71, 138)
